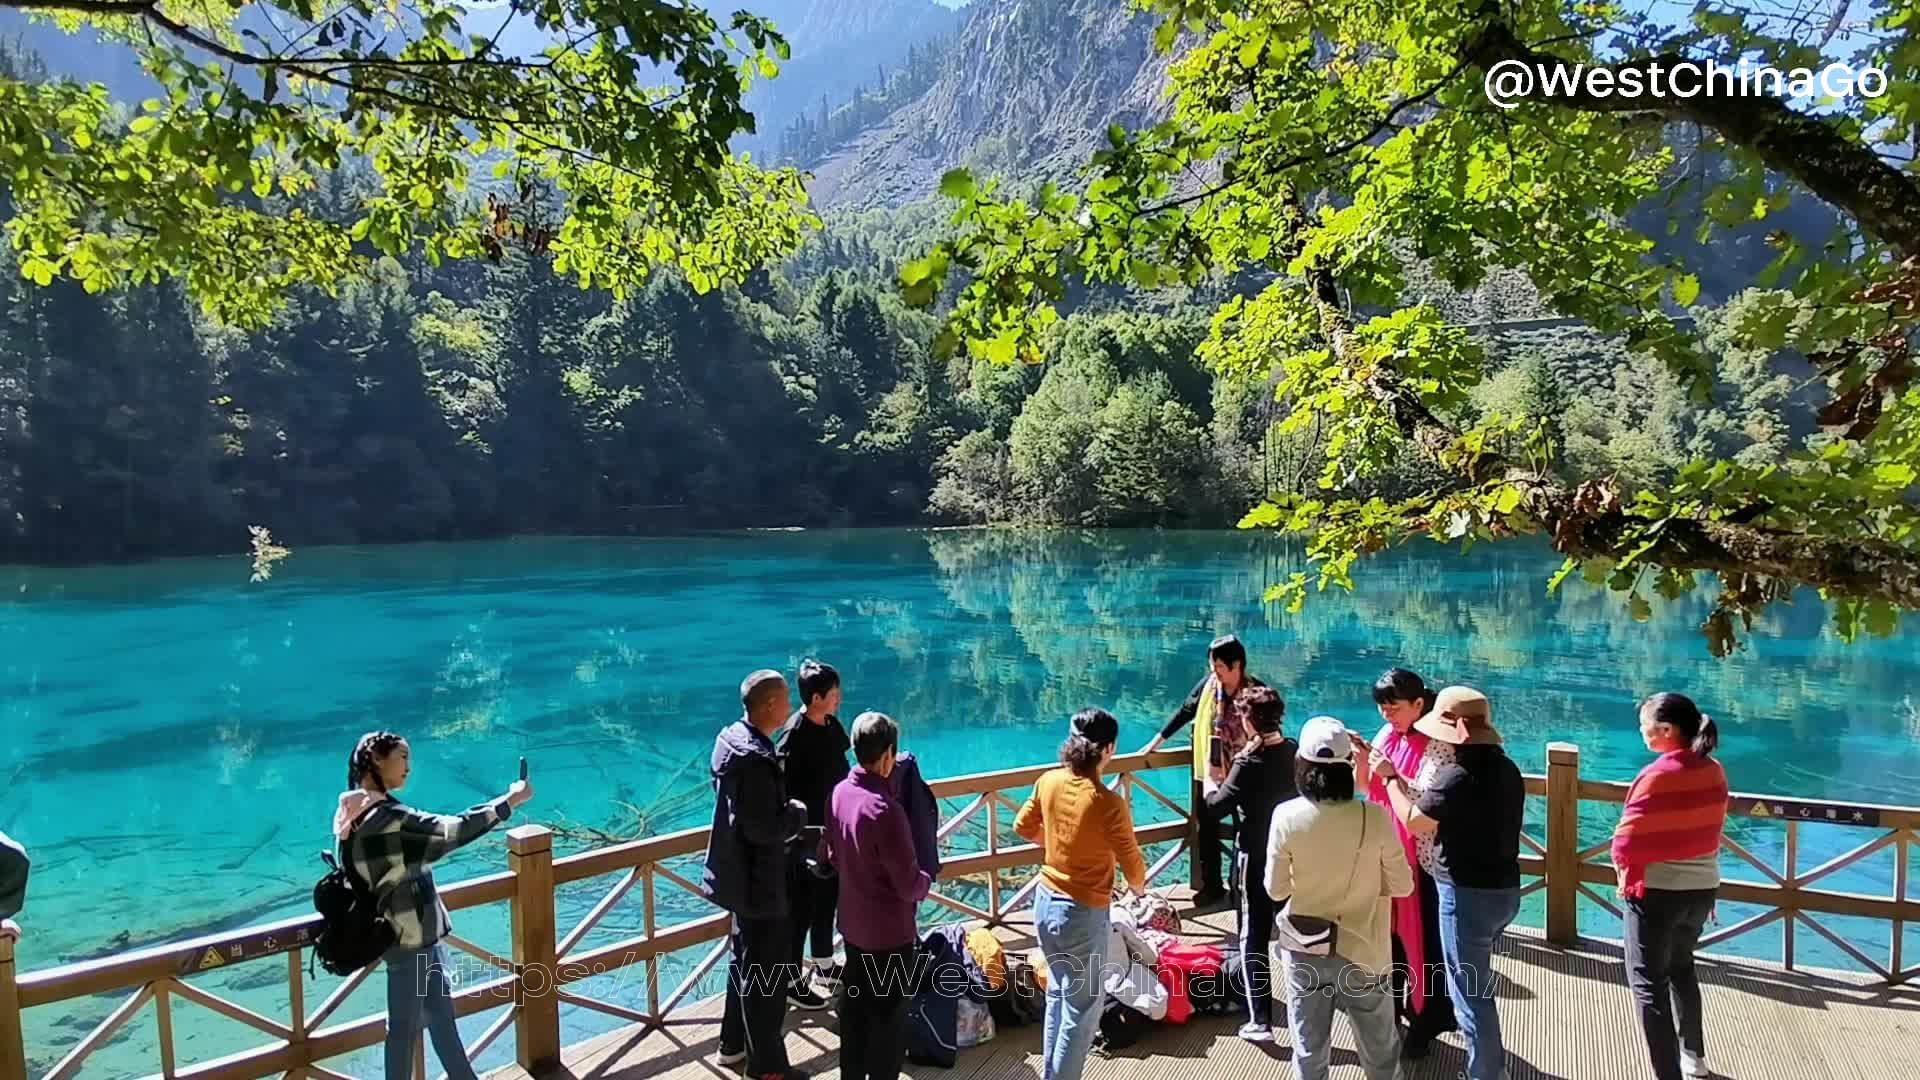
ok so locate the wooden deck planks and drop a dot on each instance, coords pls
(1567, 1015)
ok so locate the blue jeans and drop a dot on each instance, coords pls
(1471, 920)
(1073, 938)
(1314, 986)
(417, 993)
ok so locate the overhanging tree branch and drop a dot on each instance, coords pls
(1842, 171)
(1588, 522)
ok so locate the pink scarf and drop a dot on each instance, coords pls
(1406, 752)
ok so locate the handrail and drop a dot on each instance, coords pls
(546, 957)
(529, 884)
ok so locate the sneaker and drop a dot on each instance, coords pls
(1693, 1066)
(826, 976)
(732, 1057)
(1253, 1032)
(802, 996)
(1210, 898)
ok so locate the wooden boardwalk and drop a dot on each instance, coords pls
(1566, 1014)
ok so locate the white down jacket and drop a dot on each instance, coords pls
(1130, 977)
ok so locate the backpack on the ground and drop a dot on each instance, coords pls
(353, 934)
(1023, 1002)
(933, 1017)
(1120, 1027)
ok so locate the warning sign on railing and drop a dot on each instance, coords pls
(1787, 809)
(207, 957)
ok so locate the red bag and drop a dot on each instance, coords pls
(1179, 964)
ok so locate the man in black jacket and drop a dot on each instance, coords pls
(1260, 779)
(747, 866)
(1226, 675)
(813, 757)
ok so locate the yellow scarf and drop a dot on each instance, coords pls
(1203, 717)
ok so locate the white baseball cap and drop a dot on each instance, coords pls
(1325, 740)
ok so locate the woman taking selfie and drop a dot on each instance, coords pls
(391, 847)
(1666, 851)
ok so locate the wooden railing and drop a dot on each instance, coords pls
(1568, 872)
(547, 967)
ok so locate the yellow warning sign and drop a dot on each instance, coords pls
(212, 958)
(1760, 810)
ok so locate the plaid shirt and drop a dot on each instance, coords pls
(393, 848)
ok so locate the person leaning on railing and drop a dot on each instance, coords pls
(1218, 738)
(13, 885)
(1667, 852)
(392, 847)
(1085, 829)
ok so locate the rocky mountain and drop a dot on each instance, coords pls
(1026, 86)
(838, 48)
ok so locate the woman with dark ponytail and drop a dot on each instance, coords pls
(1666, 850)
(392, 847)
(1086, 831)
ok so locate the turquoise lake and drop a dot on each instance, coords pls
(176, 736)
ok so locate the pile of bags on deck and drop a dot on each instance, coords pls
(970, 989)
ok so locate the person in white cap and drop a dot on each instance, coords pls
(1338, 864)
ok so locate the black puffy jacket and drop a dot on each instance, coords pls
(747, 850)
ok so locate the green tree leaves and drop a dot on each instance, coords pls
(613, 176)
(1330, 151)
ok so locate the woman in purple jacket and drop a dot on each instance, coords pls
(870, 844)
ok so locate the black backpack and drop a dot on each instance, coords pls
(352, 932)
(1120, 1027)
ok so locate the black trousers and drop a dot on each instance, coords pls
(1662, 929)
(758, 975)
(875, 989)
(1256, 935)
(1435, 1017)
(815, 903)
(1207, 850)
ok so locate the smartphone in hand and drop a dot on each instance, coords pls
(523, 768)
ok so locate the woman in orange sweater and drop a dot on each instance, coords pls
(1086, 829)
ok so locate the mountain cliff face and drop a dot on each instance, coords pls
(1027, 90)
(838, 47)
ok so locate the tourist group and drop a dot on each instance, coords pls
(1372, 876)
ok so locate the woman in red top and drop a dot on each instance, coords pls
(1667, 852)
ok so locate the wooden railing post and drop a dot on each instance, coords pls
(13, 1046)
(1196, 806)
(536, 1031)
(1563, 843)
